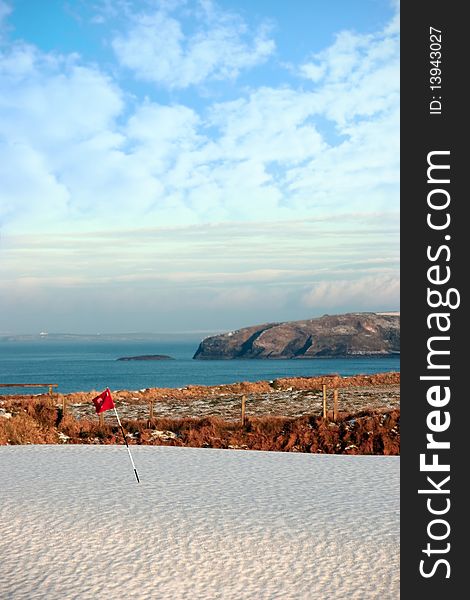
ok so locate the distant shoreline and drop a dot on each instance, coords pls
(190, 392)
(147, 357)
(287, 414)
(306, 358)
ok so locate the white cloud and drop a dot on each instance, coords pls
(367, 293)
(271, 124)
(256, 191)
(54, 100)
(312, 71)
(54, 114)
(76, 154)
(357, 76)
(238, 273)
(158, 50)
(206, 255)
(26, 183)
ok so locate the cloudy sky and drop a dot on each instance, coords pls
(190, 165)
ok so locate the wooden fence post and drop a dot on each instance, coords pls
(64, 405)
(151, 409)
(324, 400)
(243, 410)
(335, 405)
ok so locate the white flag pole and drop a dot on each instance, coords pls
(127, 445)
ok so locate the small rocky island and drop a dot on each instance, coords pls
(147, 357)
(338, 336)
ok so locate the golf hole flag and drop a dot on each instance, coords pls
(103, 402)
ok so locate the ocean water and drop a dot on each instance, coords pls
(78, 365)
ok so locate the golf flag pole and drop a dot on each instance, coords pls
(105, 402)
(127, 445)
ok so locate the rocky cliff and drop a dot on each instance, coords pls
(351, 334)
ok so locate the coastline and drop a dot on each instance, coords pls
(192, 392)
(282, 415)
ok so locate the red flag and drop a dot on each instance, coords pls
(103, 402)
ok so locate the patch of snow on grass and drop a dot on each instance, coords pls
(163, 435)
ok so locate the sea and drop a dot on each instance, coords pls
(91, 364)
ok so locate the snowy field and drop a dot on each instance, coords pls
(202, 524)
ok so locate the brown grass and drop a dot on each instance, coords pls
(30, 425)
(192, 392)
(38, 421)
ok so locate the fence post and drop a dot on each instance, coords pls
(243, 410)
(50, 391)
(324, 400)
(64, 405)
(149, 420)
(335, 405)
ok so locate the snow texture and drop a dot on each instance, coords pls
(202, 524)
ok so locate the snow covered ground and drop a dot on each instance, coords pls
(202, 524)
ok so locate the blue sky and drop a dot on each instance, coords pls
(172, 165)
